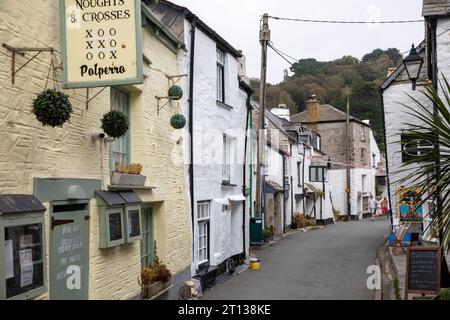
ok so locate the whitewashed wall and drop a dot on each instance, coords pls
(397, 117)
(211, 121)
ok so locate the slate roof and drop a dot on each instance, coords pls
(436, 8)
(19, 203)
(328, 113)
(172, 16)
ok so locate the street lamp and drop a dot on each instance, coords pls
(413, 64)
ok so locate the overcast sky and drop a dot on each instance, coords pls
(238, 22)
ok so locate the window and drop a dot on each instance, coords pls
(227, 158)
(362, 133)
(148, 243)
(319, 143)
(365, 204)
(120, 148)
(203, 214)
(318, 174)
(299, 173)
(374, 160)
(363, 154)
(412, 148)
(363, 182)
(220, 76)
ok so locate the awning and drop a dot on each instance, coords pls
(273, 187)
(224, 201)
(20, 203)
(118, 198)
(237, 198)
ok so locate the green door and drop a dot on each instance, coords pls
(148, 243)
(69, 251)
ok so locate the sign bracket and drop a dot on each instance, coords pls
(21, 51)
(173, 80)
(93, 97)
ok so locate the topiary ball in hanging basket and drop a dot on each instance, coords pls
(52, 108)
(175, 92)
(178, 121)
(115, 124)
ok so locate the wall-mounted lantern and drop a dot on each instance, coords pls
(413, 64)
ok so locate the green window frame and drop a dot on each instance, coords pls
(134, 232)
(147, 241)
(105, 228)
(120, 149)
(21, 220)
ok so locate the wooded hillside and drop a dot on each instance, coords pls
(329, 80)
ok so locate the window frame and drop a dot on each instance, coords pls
(220, 75)
(363, 155)
(362, 133)
(148, 238)
(126, 140)
(203, 221)
(17, 220)
(227, 158)
(299, 173)
(324, 174)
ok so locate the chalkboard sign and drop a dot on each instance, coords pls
(134, 224)
(423, 270)
(115, 226)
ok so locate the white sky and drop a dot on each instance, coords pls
(238, 23)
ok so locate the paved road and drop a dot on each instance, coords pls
(327, 264)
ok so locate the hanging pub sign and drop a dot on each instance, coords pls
(101, 42)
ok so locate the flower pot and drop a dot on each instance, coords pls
(124, 179)
(151, 290)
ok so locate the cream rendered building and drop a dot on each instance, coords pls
(64, 168)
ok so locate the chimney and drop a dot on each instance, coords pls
(242, 68)
(391, 71)
(313, 109)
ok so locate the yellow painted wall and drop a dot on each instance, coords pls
(29, 150)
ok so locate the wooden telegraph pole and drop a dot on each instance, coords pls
(347, 153)
(264, 38)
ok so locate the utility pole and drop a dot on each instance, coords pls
(264, 38)
(347, 153)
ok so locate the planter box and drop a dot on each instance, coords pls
(152, 290)
(124, 179)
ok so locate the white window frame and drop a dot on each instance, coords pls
(362, 133)
(203, 219)
(227, 158)
(220, 77)
(364, 182)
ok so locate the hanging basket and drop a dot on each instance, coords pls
(175, 92)
(115, 124)
(52, 108)
(178, 121)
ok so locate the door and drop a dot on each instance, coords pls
(69, 251)
(148, 242)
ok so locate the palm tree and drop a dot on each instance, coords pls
(427, 169)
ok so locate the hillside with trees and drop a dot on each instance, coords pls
(329, 80)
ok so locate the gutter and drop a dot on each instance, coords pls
(244, 166)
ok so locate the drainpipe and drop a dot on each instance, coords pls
(292, 192)
(191, 134)
(244, 166)
(284, 193)
(303, 180)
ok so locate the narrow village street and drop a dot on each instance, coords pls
(327, 264)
